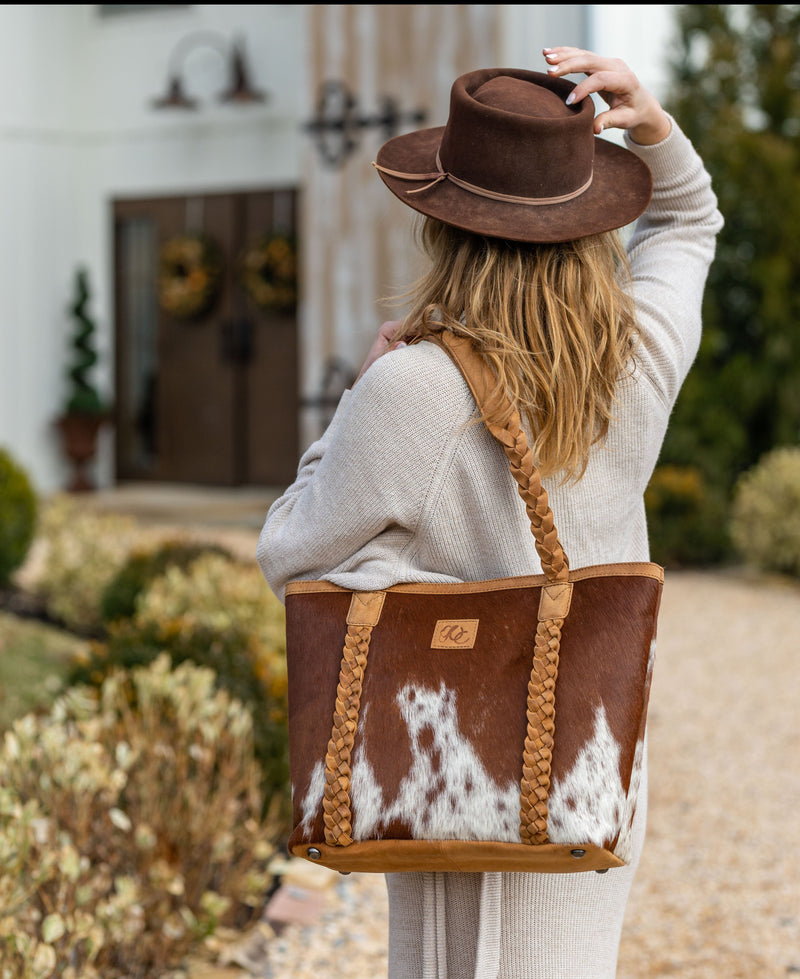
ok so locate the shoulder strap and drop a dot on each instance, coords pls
(481, 381)
(556, 595)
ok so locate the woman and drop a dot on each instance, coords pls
(521, 214)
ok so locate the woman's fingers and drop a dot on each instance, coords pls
(630, 106)
(571, 61)
(391, 329)
(568, 60)
(389, 338)
(611, 78)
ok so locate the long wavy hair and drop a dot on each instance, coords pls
(555, 321)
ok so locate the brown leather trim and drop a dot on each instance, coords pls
(555, 600)
(366, 608)
(633, 568)
(394, 856)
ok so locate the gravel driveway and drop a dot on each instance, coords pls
(717, 895)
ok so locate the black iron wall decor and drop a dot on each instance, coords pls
(338, 121)
(239, 90)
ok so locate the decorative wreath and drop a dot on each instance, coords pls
(269, 273)
(189, 270)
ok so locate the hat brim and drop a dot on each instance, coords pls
(620, 191)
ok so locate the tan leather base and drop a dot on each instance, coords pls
(397, 856)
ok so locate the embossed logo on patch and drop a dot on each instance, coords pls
(454, 634)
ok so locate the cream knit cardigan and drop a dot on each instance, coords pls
(401, 488)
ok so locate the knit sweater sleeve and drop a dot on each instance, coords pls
(670, 252)
(371, 476)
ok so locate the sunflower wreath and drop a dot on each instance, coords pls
(189, 270)
(269, 273)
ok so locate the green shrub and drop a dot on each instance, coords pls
(130, 827)
(18, 513)
(765, 516)
(219, 613)
(742, 396)
(687, 520)
(142, 568)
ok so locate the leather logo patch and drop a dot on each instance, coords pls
(454, 634)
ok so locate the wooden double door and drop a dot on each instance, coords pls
(210, 398)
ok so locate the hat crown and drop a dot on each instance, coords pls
(514, 161)
(517, 95)
(513, 134)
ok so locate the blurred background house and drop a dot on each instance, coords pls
(191, 224)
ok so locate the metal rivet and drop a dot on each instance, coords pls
(603, 871)
(578, 853)
(313, 853)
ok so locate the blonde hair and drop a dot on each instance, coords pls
(555, 321)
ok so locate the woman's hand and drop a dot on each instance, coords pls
(387, 339)
(631, 107)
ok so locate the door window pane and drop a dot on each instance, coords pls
(139, 353)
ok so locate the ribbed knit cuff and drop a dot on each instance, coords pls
(671, 155)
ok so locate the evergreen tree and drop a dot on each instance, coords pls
(736, 93)
(83, 397)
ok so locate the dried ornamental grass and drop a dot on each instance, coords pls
(145, 828)
(82, 551)
(41, 876)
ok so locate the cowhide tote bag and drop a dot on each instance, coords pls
(484, 726)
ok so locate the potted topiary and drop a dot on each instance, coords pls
(84, 410)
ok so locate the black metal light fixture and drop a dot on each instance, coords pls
(337, 122)
(239, 90)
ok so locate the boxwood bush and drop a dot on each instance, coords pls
(142, 567)
(765, 520)
(18, 513)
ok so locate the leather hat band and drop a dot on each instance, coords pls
(436, 176)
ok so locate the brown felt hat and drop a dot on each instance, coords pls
(515, 161)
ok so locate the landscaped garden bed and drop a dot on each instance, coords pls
(143, 771)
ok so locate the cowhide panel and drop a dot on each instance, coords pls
(438, 748)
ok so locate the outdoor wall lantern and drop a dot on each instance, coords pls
(239, 90)
(337, 122)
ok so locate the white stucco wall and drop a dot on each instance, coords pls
(77, 131)
(40, 230)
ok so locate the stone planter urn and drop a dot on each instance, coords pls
(79, 441)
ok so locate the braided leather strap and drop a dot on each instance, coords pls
(541, 707)
(365, 610)
(555, 600)
(336, 798)
(529, 484)
(537, 755)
